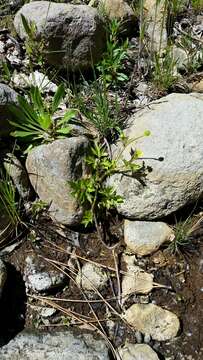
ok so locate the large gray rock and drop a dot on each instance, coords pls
(74, 35)
(54, 346)
(176, 125)
(50, 167)
(7, 97)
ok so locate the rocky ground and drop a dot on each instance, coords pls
(66, 291)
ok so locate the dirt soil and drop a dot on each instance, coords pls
(181, 274)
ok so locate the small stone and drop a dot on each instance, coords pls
(2, 47)
(38, 279)
(91, 276)
(36, 79)
(13, 59)
(153, 320)
(46, 312)
(120, 10)
(180, 57)
(137, 352)
(136, 280)
(145, 237)
(198, 86)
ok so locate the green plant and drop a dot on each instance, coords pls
(197, 5)
(92, 192)
(35, 122)
(111, 67)
(183, 232)
(182, 240)
(8, 207)
(34, 47)
(38, 207)
(164, 69)
(5, 71)
(100, 111)
(194, 52)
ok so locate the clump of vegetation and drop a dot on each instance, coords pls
(164, 73)
(35, 123)
(197, 5)
(194, 51)
(99, 110)
(183, 230)
(111, 67)
(92, 192)
(33, 46)
(9, 207)
(5, 71)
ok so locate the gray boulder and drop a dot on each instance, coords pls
(50, 167)
(54, 346)
(74, 35)
(7, 97)
(176, 125)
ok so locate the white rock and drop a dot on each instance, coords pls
(91, 276)
(40, 280)
(36, 78)
(153, 320)
(2, 47)
(176, 125)
(137, 352)
(46, 312)
(136, 280)
(145, 237)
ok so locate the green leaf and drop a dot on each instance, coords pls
(59, 95)
(37, 99)
(64, 130)
(70, 114)
(87, 218)
(45, 121)
(26, 25)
